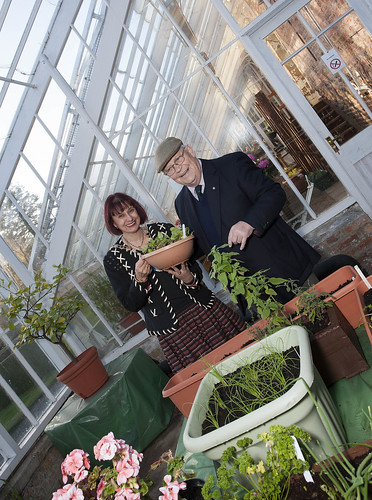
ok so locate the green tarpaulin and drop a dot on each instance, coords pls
(130, 405)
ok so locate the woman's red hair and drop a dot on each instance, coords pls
(115, 204)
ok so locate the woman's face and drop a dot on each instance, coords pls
(126, 220)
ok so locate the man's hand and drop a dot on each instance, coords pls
(239, 233)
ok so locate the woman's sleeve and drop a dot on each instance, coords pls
(131, 293)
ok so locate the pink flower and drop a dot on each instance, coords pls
(125, 471)
(106, 448)
(74, 463)
(171, 488)
(80, 475)
(129, 495)
(263, 163)
(100, 488)
(76, 493)
(68, 492)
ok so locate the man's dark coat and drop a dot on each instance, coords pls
(238, 190)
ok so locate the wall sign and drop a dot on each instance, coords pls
(333, 61)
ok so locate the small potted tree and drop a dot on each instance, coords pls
(46, 316)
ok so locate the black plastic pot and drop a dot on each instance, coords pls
(193, 490)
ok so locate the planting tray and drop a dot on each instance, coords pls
(345, 297)
(294, 407)
(359, 292)
(182, 387)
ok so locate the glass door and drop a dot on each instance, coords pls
(324, 49)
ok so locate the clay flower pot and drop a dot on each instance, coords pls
(171, 255)
(85, 375)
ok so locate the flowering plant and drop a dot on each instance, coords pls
(120, 482)
(265, 480)
(256, 151)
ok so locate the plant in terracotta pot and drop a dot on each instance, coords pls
(165, 251)
(336, 349)
(45, 315)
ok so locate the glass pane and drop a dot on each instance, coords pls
(42, 366)
(246, 11)
(25, 181)
(15, 230)
(320, 14)
(350, 37)
(328, 94)
(12, 418)
(288, 37)
(21, 382)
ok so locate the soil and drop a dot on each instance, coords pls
(227, 392)
(341, 286)
(301, 490)
(319, 324)
(367, 297)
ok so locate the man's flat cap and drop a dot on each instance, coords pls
(165, 151)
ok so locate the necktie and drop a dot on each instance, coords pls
(198, 191)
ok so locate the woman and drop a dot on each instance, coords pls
(179, 309)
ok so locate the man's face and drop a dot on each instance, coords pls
(184, 167)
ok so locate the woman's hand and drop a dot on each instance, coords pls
(142, 270)
(182, 273)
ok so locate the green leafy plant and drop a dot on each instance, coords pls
(175, 466)
(41, 321)
(312, 304)
(258, 288)
(162, 239)
(251, 386)
(238, 473)
(342, 479)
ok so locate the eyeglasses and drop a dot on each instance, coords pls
(177, 162)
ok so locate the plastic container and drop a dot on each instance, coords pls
(344, 297)
(294, 407)
(359, 292)
(182, 387)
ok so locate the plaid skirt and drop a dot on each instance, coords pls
(199, 331)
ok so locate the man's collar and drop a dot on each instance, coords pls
(201, 183)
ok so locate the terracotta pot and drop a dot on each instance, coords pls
(336, 350)
(345, 297)
(171, 255)
(359, 292)
(133, 323)
(86, 376)
(183, 386)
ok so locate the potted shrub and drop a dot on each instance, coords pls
(293, 407)
(166, 251)
(45, 316)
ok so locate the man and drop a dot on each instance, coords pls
(238, 205)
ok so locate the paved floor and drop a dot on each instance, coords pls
(167, 440)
